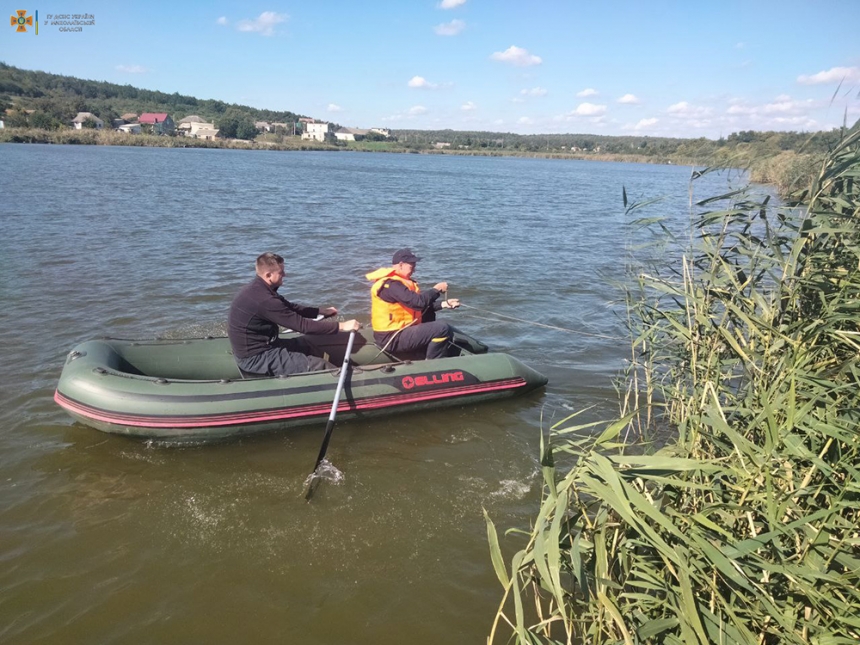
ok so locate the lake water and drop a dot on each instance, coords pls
(104, 539)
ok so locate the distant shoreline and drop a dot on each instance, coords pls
(112, 138)
(786, 171)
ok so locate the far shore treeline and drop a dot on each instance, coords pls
(38, 107)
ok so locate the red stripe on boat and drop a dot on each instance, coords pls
(373, 403)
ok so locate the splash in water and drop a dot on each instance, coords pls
(326, 470)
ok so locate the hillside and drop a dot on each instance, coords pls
(57, 99)
(36, 103)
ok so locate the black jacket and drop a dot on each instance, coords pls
(258, 310)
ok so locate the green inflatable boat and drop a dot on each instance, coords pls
(192, 389)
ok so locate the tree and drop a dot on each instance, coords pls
(246, 130)
(43, 121)
(227, 127)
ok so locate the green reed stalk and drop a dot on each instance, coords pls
(745, 526)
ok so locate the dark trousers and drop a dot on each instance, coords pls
(285, 356)
(430, 337)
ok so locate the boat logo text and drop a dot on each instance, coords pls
(423, 380)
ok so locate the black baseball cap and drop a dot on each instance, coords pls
(405, 255)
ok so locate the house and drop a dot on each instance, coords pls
(128, 117)
(184, 126)
(201, 130)
(160, 121)
(385, 132)
(263, 126)
(82, 117)
(130, 128)
(205, 133)
(318, 131)
(350, 134)
(441, 144)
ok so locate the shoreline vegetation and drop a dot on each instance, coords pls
(723, 504)
(39, 107)
(785, 170)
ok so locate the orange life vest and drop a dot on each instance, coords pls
(387, 316)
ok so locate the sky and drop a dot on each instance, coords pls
(612, 67)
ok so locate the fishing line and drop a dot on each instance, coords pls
(537, 324)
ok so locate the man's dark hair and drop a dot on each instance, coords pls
(269, 261)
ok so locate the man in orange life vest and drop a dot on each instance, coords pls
(404, 317)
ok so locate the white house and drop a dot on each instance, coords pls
(318, 131)
(130, 128)
(350, 134)
(197, 127)
(206, 131)
(82, 117)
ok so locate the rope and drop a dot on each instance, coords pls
(382, 351)
(531, 322)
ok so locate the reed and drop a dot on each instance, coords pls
(742, 525)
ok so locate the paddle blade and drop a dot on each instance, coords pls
(311, 484)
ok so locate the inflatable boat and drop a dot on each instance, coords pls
(192, 388)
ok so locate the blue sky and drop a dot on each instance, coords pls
(684, 69)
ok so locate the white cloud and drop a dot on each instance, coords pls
(517, 56)
(629, 99)
(132, 69)
(410, 114)
(468, 106)
(832, 75)
(645, 123)
(334, 107)
(587, 92)
(450, 28)
(589, 109)
(535, 91)
(419, 82)
(782, 105)
(524, 120)
(264, 24)
(223, 20)
(451, 4)
(685, 109)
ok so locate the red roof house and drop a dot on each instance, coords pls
(160, 121)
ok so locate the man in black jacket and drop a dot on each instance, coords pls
(257, 312)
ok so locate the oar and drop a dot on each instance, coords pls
(313, 479)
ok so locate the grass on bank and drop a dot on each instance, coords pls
(745, 526)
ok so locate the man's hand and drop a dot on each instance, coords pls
(453, 303)
(442, 286)
(349, 325)
(328, 312)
